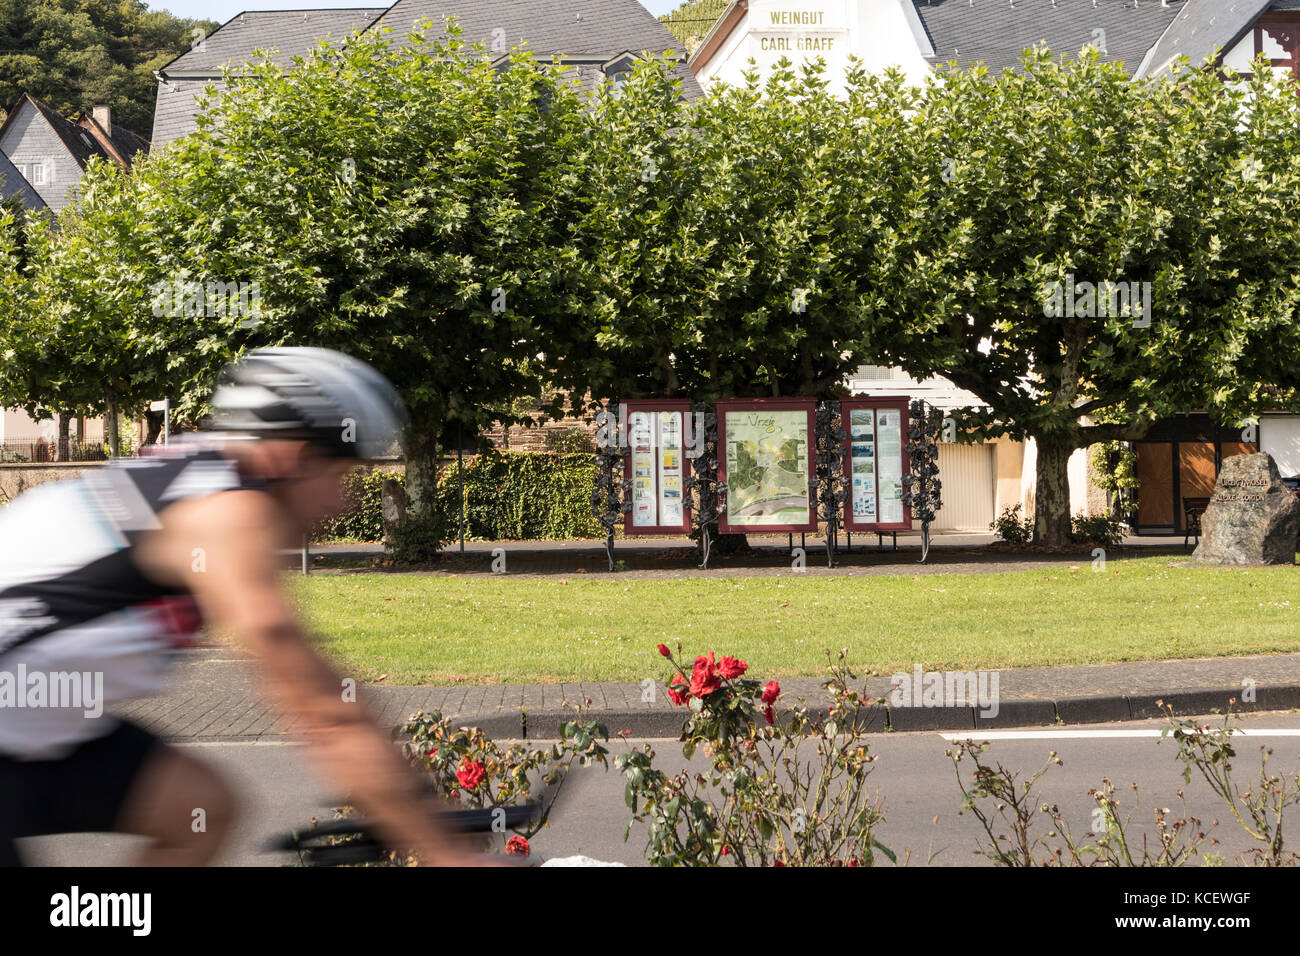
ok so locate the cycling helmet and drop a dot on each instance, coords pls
(323, 396)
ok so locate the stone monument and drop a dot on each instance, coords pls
(1253, 517)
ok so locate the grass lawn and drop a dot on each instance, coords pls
(436, 629)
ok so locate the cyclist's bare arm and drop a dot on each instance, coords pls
(237, 534)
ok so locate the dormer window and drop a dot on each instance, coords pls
(618, 70)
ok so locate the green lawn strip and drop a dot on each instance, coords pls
(434, 629)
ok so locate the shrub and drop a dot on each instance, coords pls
(997, 798)
(1011, 528)
(508, 495)
(787, 792)
(1105, 530)
(361, 520)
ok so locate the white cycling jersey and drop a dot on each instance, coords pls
(81, 626)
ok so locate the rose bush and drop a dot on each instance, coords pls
(788, 792)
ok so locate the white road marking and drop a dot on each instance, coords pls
(1096, 734)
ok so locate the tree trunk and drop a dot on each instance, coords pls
(110, 427)
(62, 453)
(1052, 496)
(421, 475)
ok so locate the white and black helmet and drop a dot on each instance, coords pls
(320, 395)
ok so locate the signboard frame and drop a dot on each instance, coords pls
(654, 407)
(806, 405)
(900, 404)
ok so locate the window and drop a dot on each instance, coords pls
(38, 177)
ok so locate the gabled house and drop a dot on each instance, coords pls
(284, 33)
(52, 152)
(599, 39)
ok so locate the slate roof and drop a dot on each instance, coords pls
(569, 27)
(124, 142)
(175, 108)
(580, 30)
(1203, 26)
(587, 32)
(12, 183)
(289, 32)
(78, 142)
(81, 142)
(995, 32)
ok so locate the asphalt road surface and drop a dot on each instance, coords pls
(915, 779)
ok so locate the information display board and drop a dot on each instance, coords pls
(875, 461)
(765, 455)
(656, 466)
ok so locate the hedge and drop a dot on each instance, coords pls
(508, 495)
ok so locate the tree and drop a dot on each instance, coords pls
(692, 20)
(713, 239)
(75, 54)
(399, 203)
(79, 340)
(1013, 201)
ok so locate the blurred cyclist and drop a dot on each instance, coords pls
(101, 576)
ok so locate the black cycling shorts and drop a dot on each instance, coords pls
(83, 792)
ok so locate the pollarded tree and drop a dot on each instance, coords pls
(714, 237)
(1017, 205)
(402, 203)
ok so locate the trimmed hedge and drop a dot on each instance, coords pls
(508, 495)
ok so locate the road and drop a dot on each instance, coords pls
(914, 777)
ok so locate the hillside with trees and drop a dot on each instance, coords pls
(74, 54)
(691, 21)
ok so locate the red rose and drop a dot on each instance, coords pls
(771, 692)
(732, 667)
(704, 678)
(517, 846)
(726, 850)
(663, 649)
(469, 774)
(678, 697)
(768, 713)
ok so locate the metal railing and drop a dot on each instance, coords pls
(42, 450)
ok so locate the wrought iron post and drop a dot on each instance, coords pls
(922, 486)
(611, 497)
(829, 483)
(703, 481)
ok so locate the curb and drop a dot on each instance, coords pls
(1024, 712)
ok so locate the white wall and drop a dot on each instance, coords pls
(882, 33)
(1279, 435)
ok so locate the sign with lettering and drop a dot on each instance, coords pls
(875, 461)
(656, 466)
(765, 458)
(799, 30)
